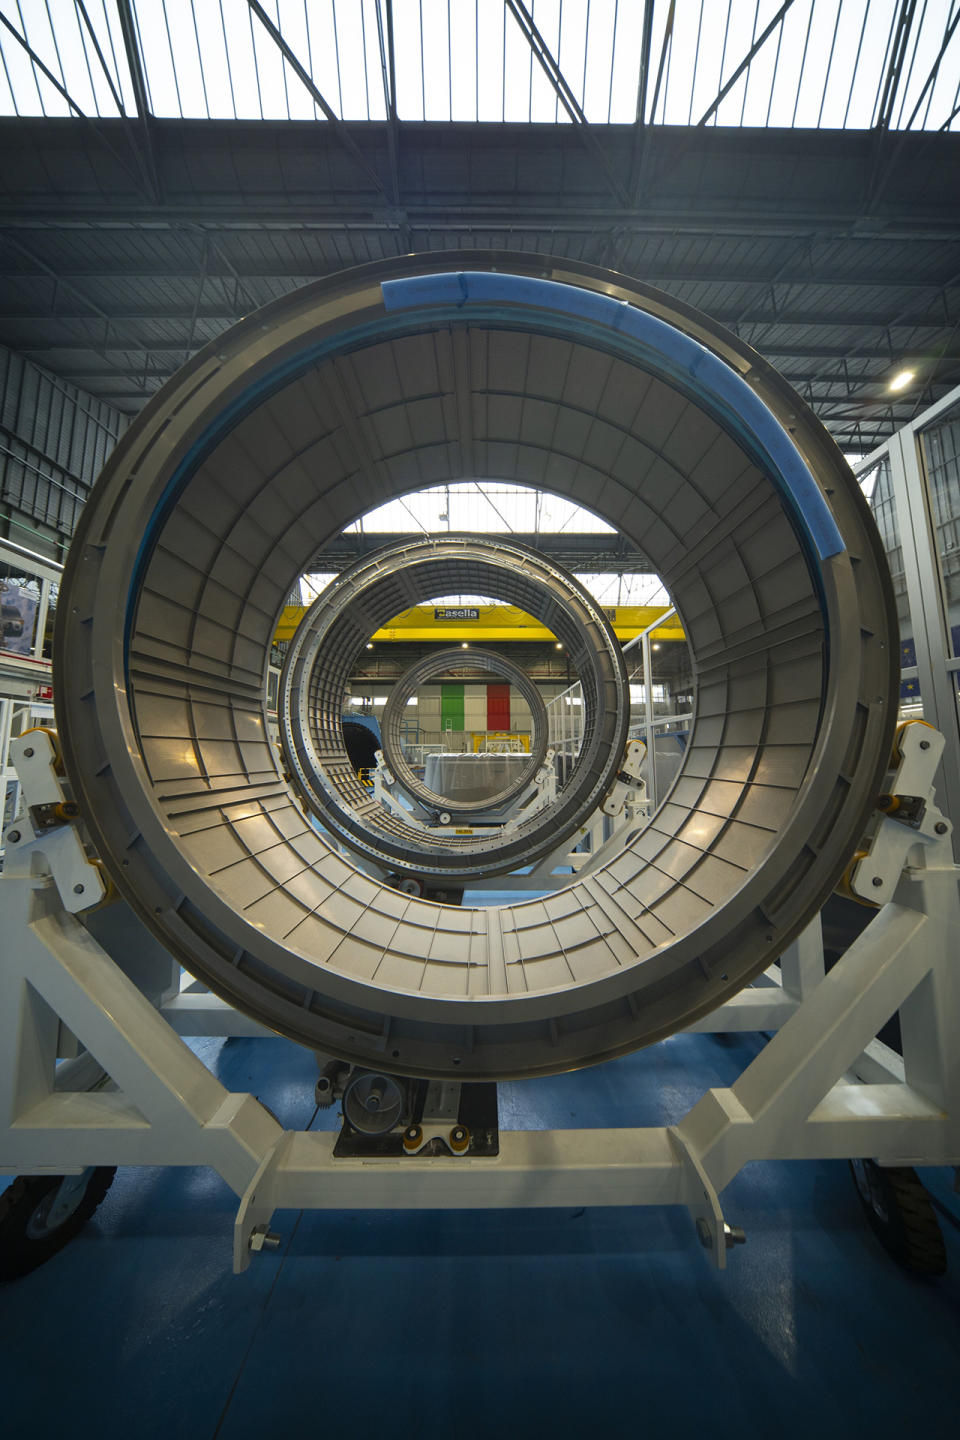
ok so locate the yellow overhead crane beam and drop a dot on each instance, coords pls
(448, 623)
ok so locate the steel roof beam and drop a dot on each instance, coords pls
(212, 247)
(766, 220)
(745, 63)
(117, 98)
(909, 318)
(779, 349)
(388, 70)
(65, 93)
(891, 165)
(665, 44)
(618, 240)
(95, 347)
(143, 146)
(646, 40)
(601, 552)
(149, 269)
(306, 79)
(943, 350)
(811, 380)
(568, 100)
(902, 24)
(638, 159)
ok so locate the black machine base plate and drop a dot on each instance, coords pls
(478, 1113)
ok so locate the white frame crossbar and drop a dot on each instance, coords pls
(822, 1087)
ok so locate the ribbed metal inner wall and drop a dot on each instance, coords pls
(714, 528)
(781, 764)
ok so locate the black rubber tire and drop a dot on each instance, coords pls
(21, 1251)
(901, 1216)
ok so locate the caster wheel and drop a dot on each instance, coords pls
(39, 1214)
(901, 1216)
(459, 1140)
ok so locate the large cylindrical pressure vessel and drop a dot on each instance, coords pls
(426, 370)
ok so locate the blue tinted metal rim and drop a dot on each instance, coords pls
(697, 371)
(562, 310)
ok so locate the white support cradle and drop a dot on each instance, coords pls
(803, 1097)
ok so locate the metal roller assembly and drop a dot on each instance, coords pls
(421, 371)
(444, 662)
(333, 633)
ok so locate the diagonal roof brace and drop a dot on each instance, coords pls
(884, 178)
(567, 99)
(746, 62)
(144, 151)
(81, 9)
(898, 48)
(306, 79)
(388, 70)
(64, 92)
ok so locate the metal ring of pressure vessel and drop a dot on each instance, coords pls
(374, 383)
(363, 599)
(445, 662)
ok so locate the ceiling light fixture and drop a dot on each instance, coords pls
(901, 380)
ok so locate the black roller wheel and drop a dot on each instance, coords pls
(39, 1214)
(901, 1215)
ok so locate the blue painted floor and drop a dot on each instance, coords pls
(486, 1324)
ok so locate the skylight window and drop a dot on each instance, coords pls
(825, 63)
(493, 507)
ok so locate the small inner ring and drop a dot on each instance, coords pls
(440, 663)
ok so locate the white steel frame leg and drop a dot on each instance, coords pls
(801, 964)
(794, 1101)
(167, 1108)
